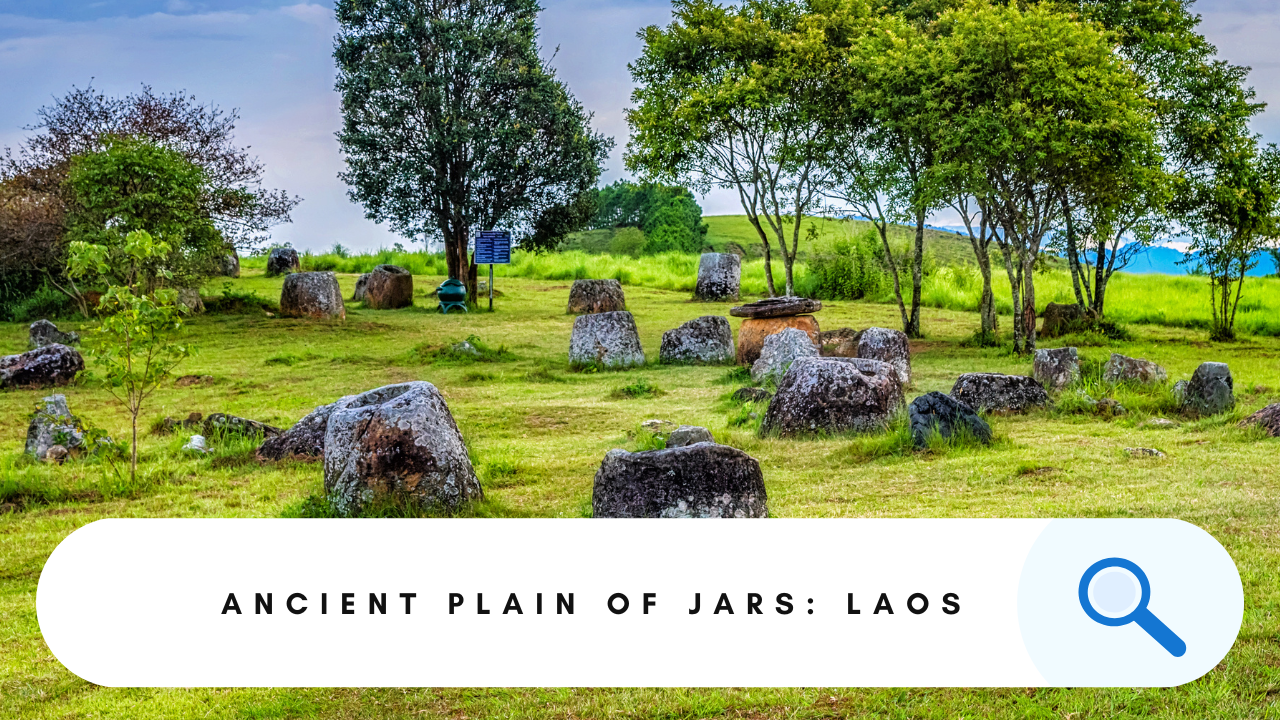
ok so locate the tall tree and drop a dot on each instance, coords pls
(1041, 106)
(452, 124)
(879, 110)
(722, 101)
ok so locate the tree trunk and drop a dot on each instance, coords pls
(897, 281)
(1073, 256)
(133, 459)
(1029, 304)
(768, 268)
(987, 305)
(917, 277)
(1015, 286)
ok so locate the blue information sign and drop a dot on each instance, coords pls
(493, 248)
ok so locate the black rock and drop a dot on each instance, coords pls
(1211, 390)
(305, 440)
(283, 261)
(48, 366)
(696, 481)
(947, 415)
(1005, 394)
(834, 395)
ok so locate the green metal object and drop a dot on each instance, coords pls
(452, 293)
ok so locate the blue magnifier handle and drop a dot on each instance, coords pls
(1160, 632)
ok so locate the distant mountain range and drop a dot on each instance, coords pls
(1159, 260)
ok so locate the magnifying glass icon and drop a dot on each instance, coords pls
(1115, 592)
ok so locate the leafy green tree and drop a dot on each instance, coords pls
(1233, 212)
(1037, 105)
(134, 185)
(722, 99)
(452, 124)
(135, 341)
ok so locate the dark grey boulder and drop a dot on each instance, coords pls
(707, 340)
(52, 424)
(397, 443)
(688, 435)
(834, 395)
(283, 261)
(1057, 368)
(313, 295)
(719, 275)
(49, 366)
(697, 481)
(777, 307)
(305, 440)
(608, 340)
(596, 296)
(1268, 418)
(1060, 319)
(948, 416)
(43, 333)
(1003, 394)
(1210, 391)
(1126, 369)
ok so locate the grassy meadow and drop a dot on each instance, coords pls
(538, 432)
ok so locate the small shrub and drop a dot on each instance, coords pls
(646, 439)
(542, 375)
(45, 303)
(234, 301)
(737, 375)
(427, 354)
(641, 388)
(480, 376)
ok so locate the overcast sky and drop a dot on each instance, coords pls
(272, 60)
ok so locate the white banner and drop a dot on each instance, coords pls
(778, 602)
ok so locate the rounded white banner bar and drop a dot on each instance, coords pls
(363, 603)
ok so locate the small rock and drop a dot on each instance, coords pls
(780, 351)
(313, 295)
(49, 366)
(596, 296)
(189, 299)
(1057, 368)
(689, 435)
(607, 339)
(53, 425)
(1211, 390)
(56, 454)
(1159, 423)
(707, 340)
(1144, 453)
(229, 265)
(834, 395)
(888, 346)
(1120, 369)
(752, 394)
(43, 333)
(1179, 391)
(947, 415)
(718, 277)
(1110, 408)
(191, 380)
(696, 481)
(466, 348)
(305, 440)
(283, 261)
(196, 444)
(777, 307)
(995, 393)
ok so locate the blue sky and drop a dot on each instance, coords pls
(271, 59)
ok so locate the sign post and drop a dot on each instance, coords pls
(493, 247)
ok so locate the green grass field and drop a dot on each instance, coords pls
(538, 432)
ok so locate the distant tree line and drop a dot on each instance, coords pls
(668, 215)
